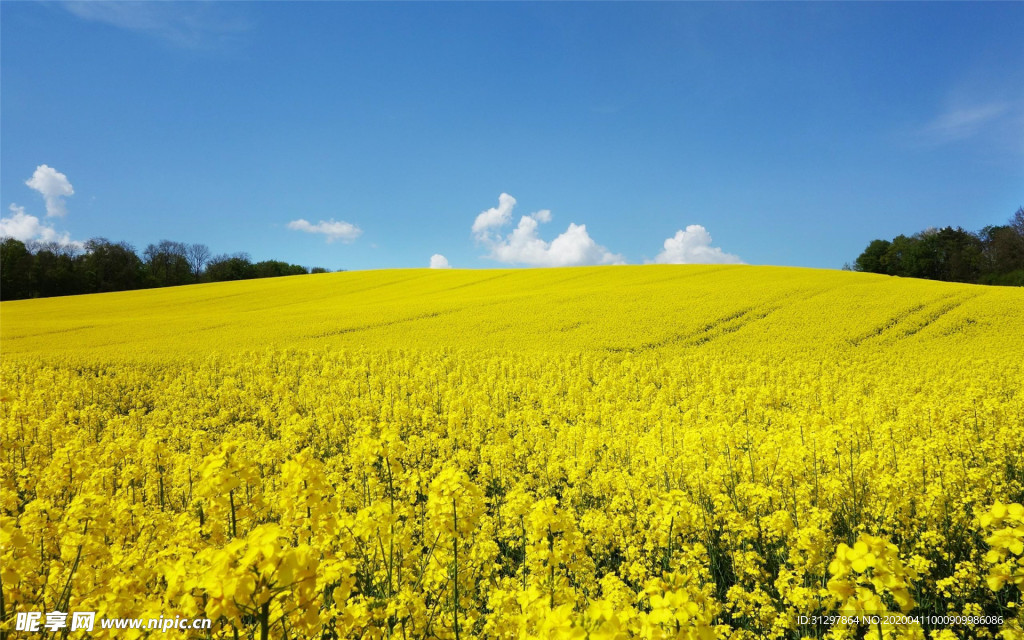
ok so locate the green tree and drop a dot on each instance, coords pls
(277, 268)
(167, 264)
(15, 269)
(225, 267)
(995, 255)
(872, 260)
(110, 266)
(958, 255)
(55, 270)
(900, 258)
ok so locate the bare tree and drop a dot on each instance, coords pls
(166, 264)
(68, 249)
(198, 255)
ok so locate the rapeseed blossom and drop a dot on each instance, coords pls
(662, 452)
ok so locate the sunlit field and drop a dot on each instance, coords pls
(610, 452)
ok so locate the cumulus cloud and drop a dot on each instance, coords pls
(524, 245)
(438, 261)
(20, 225)
(495, 217)
(54, 186)
(28, 228)
(544, 215)
(693, 246)
(344, 231)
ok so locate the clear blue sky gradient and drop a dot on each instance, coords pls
(795, 133)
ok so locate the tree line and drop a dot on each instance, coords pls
(42, 270)
(994, 255)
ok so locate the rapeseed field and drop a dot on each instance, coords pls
(615, 452)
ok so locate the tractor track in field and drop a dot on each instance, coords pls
(50, 333)
(938, 313)
(724, 325)
(904, 318)
(388, 323)
(380, 325)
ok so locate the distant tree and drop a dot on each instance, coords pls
(1003, 252)
(225, 267)
(276, 268)
(110, 266)
(937, 254)
(36, 269)
(922, 257)
(197, 255)
(1003, 249)
(15, 269)
(958, 255)
(55, 270)
(899, 258)
(319, 270)
(71, 250)
(995, 255)
(167, 264)
(873, 259)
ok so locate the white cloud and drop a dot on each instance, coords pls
(438, 261)
(184, 24)
(28, 228)
(54, 186)
(693, 246)
(524, 246)
(494, 217)
(965, 121)
(344, 231)
(544, 215)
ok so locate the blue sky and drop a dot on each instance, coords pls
(372, 135)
